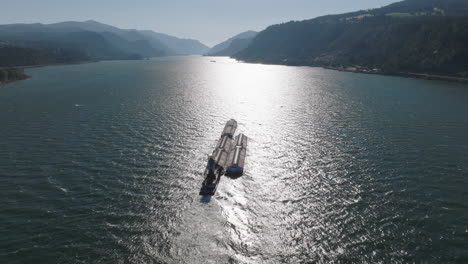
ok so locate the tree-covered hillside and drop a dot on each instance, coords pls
(226, 48)
(236, 46)
(411, 36)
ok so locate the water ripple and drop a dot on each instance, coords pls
(341, 167)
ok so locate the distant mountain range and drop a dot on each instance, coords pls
(65, 42)
(233, 45)
(412, 36)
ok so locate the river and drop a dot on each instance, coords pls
(102, 163)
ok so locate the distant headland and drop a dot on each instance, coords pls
(12, 74)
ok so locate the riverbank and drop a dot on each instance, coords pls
(414, 75)
(56, 64)
(13, 74)
(360, 69)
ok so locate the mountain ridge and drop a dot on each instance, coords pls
(92, 40)
(175, 45)
(223, 46)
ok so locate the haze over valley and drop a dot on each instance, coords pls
(32, 44)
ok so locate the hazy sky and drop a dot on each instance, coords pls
(210, 21)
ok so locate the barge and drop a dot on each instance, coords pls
(227, 159)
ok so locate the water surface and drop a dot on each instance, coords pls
(102, 163)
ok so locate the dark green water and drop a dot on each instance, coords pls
(102, 163)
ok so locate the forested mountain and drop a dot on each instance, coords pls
(224, 49)
(425, 7)
(91, 40)
(236, 46)
(429, 36)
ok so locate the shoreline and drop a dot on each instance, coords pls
(56, 64)
(45, 65)
(359, 69)
(19, 75)
(413, 75)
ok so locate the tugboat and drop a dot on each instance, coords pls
(213, 176)
(218, 161)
